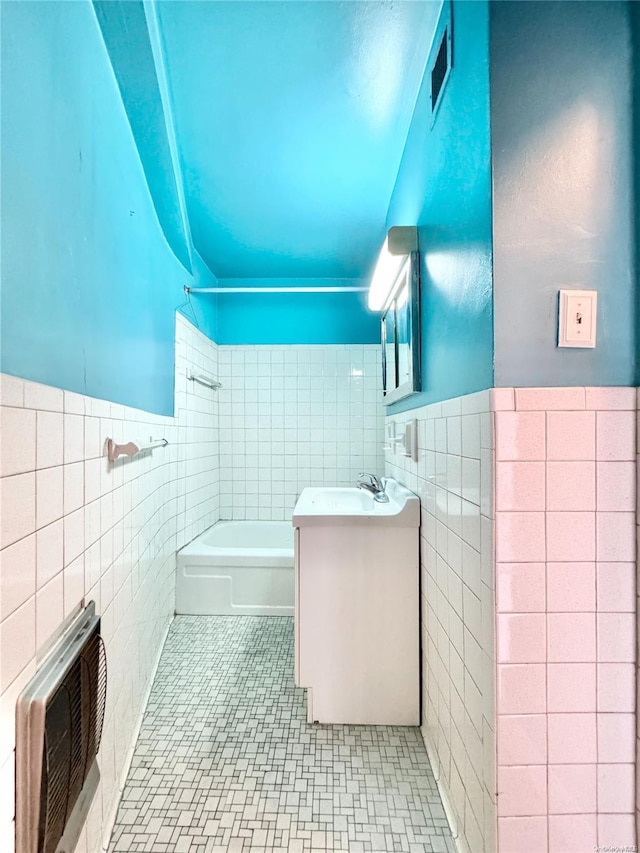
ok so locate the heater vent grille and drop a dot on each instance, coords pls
(73, 725)
(58, 728)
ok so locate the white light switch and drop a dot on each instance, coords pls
(577, 317)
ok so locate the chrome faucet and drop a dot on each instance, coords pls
(373, 484)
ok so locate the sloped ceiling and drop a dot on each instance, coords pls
(125, 30)
(291, 118)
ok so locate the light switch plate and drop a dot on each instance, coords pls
(411, 439)
(577, 317)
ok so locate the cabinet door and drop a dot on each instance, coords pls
(296, 618)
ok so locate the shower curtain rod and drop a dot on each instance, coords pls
(229, 290)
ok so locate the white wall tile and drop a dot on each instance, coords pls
(17, 507)
(92, 447)
(74, 585)
(8, 708)
(92, 477)
(17, 575)
(73, 486)
(11, 390)
(50, 552)
(43, 397)
(49, 495)
(49, 609)
(471, 436)
(50, 439)
(17, 641)
(74, 403)
(454, 435)
(294, 416)
(73, 535)
(18, 445)
(73, 438)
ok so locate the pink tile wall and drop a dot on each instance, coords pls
(566, 611)
(74, 527)
(619, 682)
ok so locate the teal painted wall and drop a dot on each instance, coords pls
(444, 186)
(89, 284)
(282, 318)
(203, 313)
(635, 38)
(561, 116)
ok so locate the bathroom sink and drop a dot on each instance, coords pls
(321, 506)
(357, 606)
(341, 501)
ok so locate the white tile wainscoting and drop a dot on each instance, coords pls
(74, 527)
(295, 416)
(529, 535)
(454, 479)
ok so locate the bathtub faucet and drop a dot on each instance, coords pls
(373, 484)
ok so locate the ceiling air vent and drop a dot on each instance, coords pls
(440, 70)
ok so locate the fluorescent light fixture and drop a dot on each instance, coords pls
(398, 245)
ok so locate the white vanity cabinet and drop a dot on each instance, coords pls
(357, 606)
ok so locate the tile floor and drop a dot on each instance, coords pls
(226, 761)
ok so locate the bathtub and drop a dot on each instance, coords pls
(238, 568)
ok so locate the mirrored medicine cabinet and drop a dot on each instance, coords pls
(401, 334)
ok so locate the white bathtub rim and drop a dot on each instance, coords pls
(198, 548)
(238, 558)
